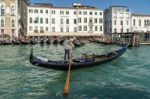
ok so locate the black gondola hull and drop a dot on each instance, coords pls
(76, 64)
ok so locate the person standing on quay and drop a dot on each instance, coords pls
(68, 49)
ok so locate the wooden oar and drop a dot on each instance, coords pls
(66, 87)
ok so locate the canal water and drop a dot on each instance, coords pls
(127, 77)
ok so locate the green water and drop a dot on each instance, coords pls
(127, 77)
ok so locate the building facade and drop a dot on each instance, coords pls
(9, 17)
(48, 20)
(140, 23)
(117, 19)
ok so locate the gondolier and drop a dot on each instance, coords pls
(68, 49)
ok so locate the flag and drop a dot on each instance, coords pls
(36, 19)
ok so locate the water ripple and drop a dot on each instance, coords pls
(126, 77)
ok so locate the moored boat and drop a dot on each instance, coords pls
(33, 42)
(78, 44)
(91, 61)
(48, 41)
(15, 42)
(24, 42)
(6, 43)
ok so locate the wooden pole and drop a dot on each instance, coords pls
(66, 87)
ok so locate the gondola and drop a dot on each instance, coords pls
(77, 63)
(55, 41)
(61, 41)
(78, 44)
(42, 42)
(6, 43)
(25, 42)
(48, 41)
(33, 42)
(106, 43)
(15, 42)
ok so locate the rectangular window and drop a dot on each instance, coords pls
(30, 20)
(75, 21)
(2, 12)
(30, 28)
(53, 29)
(41, 20)
(134, 22)
(95, 20)
(67, 12)
(139, 22)
(2, 31)
(13, 31)
(91, 13)
(85, 28)
(95, 13)
(41, 11)
(46, 11)
(127, 22)
(2, 22)
(75, 29)
(46, 20)
(46, 28)
(145, 23)
(61, 12)
(61, 21)
(67, 29)
(30, 11)
(41, 30)
(101, 28)
(67, 21)
(90, 20)
(61, 29)
(95, 28)
(53, 11)
(115, 22)
(115, 30)
(121, 22)
(84, 12)
(127, 30)
(80, 28)
(53, 21)
(100, 13)
(36, 29)
(85, 20)
(80, 12)
(100, 20)
(35, 11)
(79, 20)
(75, 12)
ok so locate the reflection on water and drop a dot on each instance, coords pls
(126, 77)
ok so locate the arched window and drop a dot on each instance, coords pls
(2, 22)
(13, 23)
(12, 10)
(2, 10)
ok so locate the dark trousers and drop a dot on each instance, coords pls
(67, 55)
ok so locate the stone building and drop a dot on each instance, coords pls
(13, 17)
